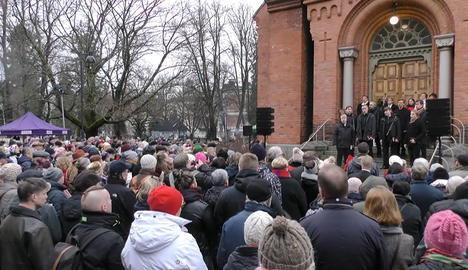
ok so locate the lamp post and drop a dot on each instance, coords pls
(89, 60)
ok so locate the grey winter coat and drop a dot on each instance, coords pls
(404, 258)
(8, 191)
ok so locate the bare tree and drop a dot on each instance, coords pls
(242, 47)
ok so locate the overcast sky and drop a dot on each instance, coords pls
(254, 3)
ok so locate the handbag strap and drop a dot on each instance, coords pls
(395, 254)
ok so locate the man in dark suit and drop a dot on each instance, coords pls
(389, 103)
(365, 101)
(366, 163)
(403, 115)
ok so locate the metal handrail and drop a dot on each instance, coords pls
(463, 129)
(459, 135)
(316, 132)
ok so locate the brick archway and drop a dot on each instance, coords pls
(368, 17)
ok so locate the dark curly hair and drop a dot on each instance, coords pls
(183, 179)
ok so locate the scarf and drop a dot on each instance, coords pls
(438, 255)
(282, 173)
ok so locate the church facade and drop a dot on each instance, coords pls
(316, 57)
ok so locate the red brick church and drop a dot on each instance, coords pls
(315, 57)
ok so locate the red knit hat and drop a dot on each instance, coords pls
(165, 199)
(447, 232)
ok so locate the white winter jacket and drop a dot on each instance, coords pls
(160, 241)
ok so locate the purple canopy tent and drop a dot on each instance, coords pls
(30, 125)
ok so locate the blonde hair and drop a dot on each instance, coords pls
(382, 205)
(146, 188)
(63, 163)
(279, 163)
(95, 166)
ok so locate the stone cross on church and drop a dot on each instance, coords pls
(316, 57)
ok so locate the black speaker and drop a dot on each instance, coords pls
(247, 130)
(438, 120)
(265, 122)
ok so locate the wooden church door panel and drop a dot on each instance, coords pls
(416, 79)
(386, 81)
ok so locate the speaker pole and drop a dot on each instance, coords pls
(264, 141)
(440, 151)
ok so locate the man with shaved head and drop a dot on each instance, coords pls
(104, 251)
(339, 227)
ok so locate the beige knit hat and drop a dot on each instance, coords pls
(9, 172)
(285, 245)
(254, 227)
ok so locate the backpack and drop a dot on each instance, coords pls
(67, 255)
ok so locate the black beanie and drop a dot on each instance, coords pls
(440, 173)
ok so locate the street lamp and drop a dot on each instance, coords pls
(89, 60)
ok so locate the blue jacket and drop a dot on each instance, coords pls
(56, 195)
(233, 231)
(424, 195)
(345, 239)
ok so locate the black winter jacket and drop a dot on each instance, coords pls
(344, 136)
(25, 241)
(56, 196)
(404, 117)
(104, 251)
(123, 200)
(70, 213)
(212, 195)
(244, 258)
(366, 127)
(297, 172)
(232, 173)
(411, 215)
(363, 243)
(294, 198)
(202, 227)
(437, 207)
(417, 131)
(309, 183)
(232, 200)
(390, 129)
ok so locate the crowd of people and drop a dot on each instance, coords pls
(394, 128)
(131, 204)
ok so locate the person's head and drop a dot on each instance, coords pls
(388, 111)
(220, 177)
(382, 205)
(411, 102)
(85, 180)
(279, 163)
(440, 173)
(218, 162)
(419, 105)
(349, 110)
(401, 103)
(354, 184)
(96, 199)
(367, 162)
(63, 163)
(200, 156)
(419, 172)
(395, 168)
(32, 192)
(146, 188)
(452, 184)
(234, 159)
(363, 148)
(259, 191)
(461, 192)
(28, 152)
(9, 172)
(309, 159)
(365, 109)
(96, 167)
(390, 101)
(333, 182)
(184, 180)
(53, 174)
(181, 161)
(222, 153)
(402, 188)
(166, 200)
(433, 96)
(255, 226)
(344, 119)
(446, 232)
(248, 161)
(365, 98)
(423, 162)
(274, 152)
(372, 105)
(258, 150)
(82, 163)
(297, 155)
(285, 245)
(462, 161)
(148, 163)
(118, 169)
(371, 182)
(423, 96)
